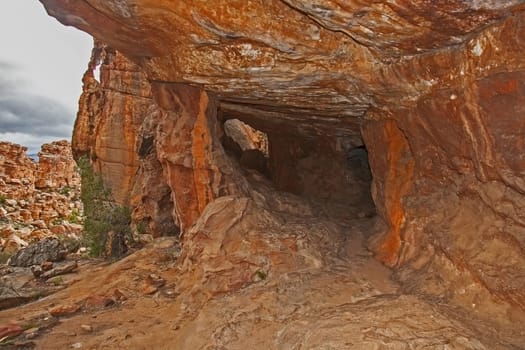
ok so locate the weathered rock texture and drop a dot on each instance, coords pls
(435, 90)
(38, 200)
(115, 128)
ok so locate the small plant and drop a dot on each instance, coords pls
(74, 217)
(141, 228)
(57, 221)
(65, 190)
(4, 256)
(102, 214)
(56, 281)
(30, 325)
(2, 199)
(260, 275)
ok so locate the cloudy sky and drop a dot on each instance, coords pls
(41, 66)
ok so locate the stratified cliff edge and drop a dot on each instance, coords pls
(431, 93)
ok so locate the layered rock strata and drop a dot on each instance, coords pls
(434, 90)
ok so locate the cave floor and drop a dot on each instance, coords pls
(352, 302)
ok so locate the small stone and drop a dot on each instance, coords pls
(64, 310)
(36, 270)
(155, 280)
(170, 293)
(31, 333)
(76, 345)
(11, 202)
(150, 289)
(118, 295)
(46, 265)
(86, 327)
(153, 283)
(98, 302)
(32, 330)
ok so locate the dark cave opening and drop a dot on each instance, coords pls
(330, 172)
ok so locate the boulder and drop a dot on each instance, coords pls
(37, 253)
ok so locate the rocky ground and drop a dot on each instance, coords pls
(267, 272)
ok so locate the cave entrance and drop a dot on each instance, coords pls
(332, 173)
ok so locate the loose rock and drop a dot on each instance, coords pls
(64, 310)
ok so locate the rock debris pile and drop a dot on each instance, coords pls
(38, 199)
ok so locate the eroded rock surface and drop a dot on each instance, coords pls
(432, 92)
(115, 128)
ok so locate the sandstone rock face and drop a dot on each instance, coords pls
(115, 127)
(56, 166)
(17, 171)
(434, 90)
(38, 200)
(109, 119)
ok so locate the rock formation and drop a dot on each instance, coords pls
(431, 92)
(38, 200)
(115, 125)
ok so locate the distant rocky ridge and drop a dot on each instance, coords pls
(37, 200)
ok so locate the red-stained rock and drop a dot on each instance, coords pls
(392, 167)
(10, 330)
(64, 310)
(190, 151)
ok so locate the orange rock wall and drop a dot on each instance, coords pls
(116, 115)
(109, 118)
(190, 152)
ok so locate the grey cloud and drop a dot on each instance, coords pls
(34, 115)
(27, 113)
(4, 65)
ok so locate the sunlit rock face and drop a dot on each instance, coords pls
(434, 90)
(114, 128)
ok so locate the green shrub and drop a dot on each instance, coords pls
(4, 256)
(2, 199)
(141, 228)
(101, 214)
(74, 217)
(57, 221)
(65, 190)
